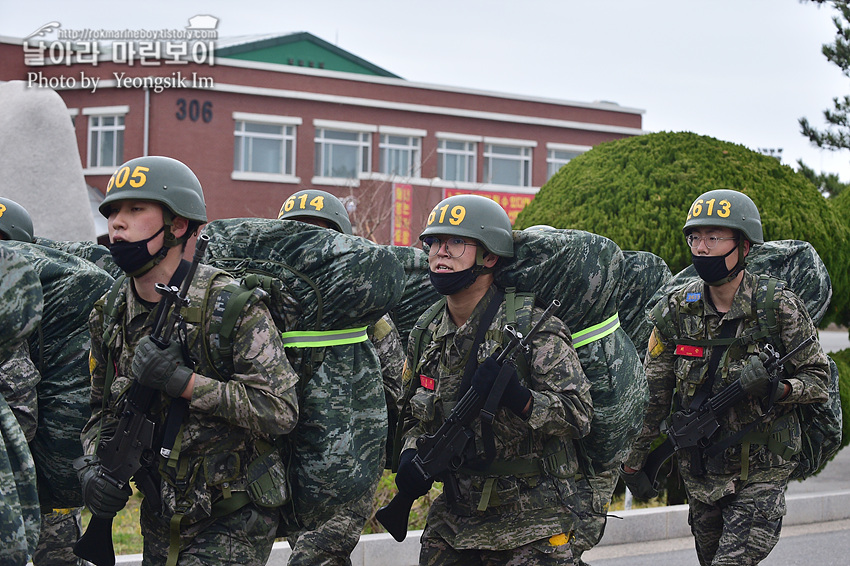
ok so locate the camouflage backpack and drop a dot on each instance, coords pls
(325, 289)
(796, 265)
(59, 350)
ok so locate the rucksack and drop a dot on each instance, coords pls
(643, 274)
(584, 271)
(796, 262)
(325, 289)
(59, 350)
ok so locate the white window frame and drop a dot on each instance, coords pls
(94, 165)
(389, 151)
(524, 158)
(288, 138)
(554, 163)
(363, 143)
(469, 154)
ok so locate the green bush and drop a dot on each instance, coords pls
(637, 191)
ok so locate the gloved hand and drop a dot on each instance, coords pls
(161, 369)
(516, 394)
(755, 379)
(408, 479)
(638, 483)
(484, 376)
(103, 499)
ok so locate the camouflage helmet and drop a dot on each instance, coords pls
(473, 216)
(159, 179)
(729, 209)
(15, 221)
(314, 203)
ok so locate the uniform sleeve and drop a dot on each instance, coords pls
(97, 369)
(261, 394)
(18, 380)
(387, 342)
(661, 381)
(809, 378)
(562, 405)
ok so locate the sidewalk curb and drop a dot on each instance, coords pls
(636, 525)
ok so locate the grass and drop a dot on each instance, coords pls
(126, 532)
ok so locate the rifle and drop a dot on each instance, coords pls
(440, 455)
(694, 429)
(131, 451)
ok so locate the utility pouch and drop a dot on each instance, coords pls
(267, 481)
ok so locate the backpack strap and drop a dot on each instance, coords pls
(419, 335)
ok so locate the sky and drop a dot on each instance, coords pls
(742, 71)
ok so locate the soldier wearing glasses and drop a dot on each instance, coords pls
(736, 491)
(516, 509)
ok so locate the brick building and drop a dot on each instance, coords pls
(260, 117)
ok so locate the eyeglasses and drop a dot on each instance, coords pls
(454, 246)
(709, 241)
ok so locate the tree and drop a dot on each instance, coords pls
(827, 183)
(836, 135)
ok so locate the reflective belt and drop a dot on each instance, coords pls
(597, 331)
(318, 339)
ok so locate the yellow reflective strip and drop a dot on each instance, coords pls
(595, 332)
(318, 339)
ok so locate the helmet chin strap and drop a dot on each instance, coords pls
(739, 267)
(479, 261)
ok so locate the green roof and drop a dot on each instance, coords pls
(298, 49)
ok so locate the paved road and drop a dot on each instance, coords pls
(824, 544)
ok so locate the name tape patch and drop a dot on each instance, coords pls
(692, 351)
(426, 382)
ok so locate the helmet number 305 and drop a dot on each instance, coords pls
(318, 202)
(122, 176)
(724, 208)
(457, 215)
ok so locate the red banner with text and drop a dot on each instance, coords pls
(402, 214)
(511, 202)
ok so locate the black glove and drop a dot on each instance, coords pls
(516, 395)
(103, 499)
(161, 369)
(638, 483)
(409, 480)
(754, 378)
(485, 376)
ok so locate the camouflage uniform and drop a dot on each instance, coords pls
(525, 510)
(334, 540)
(228, 418)
(594, 495)
(60, 528)
(749, 500)
(20, 312)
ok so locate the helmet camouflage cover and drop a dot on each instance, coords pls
(473, 216)
(314, 203)
(15, 221)
(159, 179)
(729, 209)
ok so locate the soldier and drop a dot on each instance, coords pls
(334, 541)
(198, 509)
(516, 492)
(735, 486)
(60, 528)
(20, 313)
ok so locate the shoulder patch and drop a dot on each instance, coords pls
(655, 346)
(692, 297)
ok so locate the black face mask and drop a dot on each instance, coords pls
(133, 257)
(713, 270)
(453, 281)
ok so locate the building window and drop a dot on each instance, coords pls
(342, 154)
(106, 137)
(456, 160)
(557, 156)
(264, 148)
(507, 165)
(401, 155)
